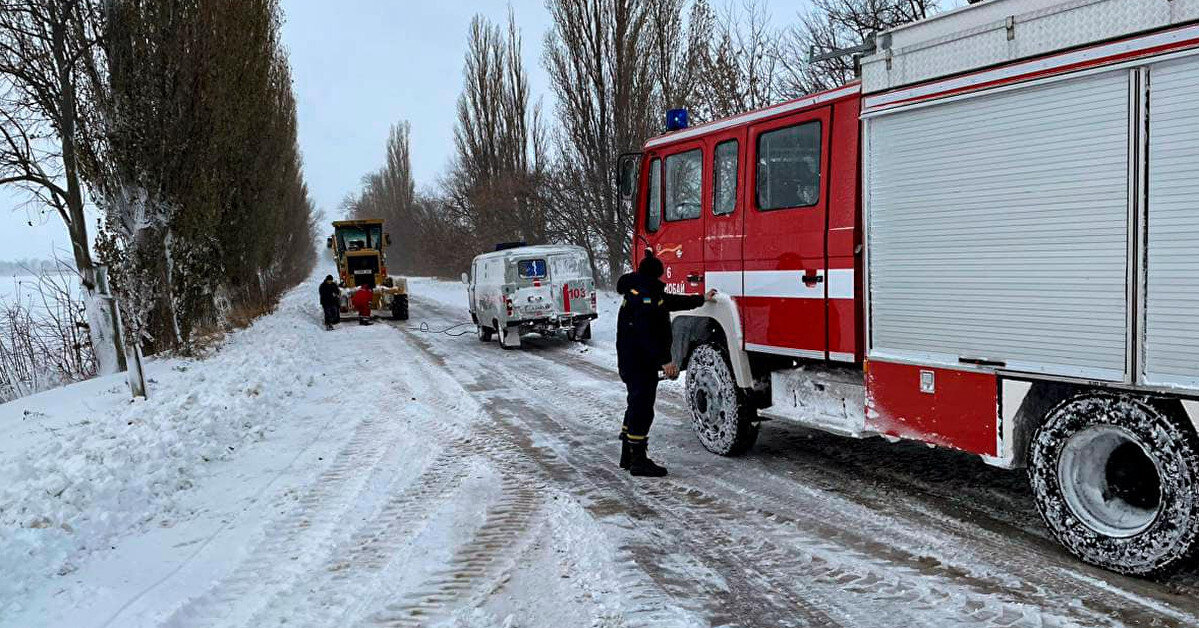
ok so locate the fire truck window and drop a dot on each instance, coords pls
(653, 197)
(724, 181)
(683, 185)
(789, 167)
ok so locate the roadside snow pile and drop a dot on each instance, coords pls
(74, 491)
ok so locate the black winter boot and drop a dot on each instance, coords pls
(626, 452)
(641, 465)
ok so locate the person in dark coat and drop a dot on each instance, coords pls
(330, 301)
(643, 341)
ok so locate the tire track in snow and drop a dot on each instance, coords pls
(474, 562)
(1053, 581)
(745, 600)
(371, 549)
(313, 517)
(512, 450)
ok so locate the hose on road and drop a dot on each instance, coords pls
(424, 328)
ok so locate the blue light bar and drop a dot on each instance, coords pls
(676, 119)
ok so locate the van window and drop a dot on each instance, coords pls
(569, 266)
(531, 268)
(493, 271)
(789, 167)
(724, 178)
(653, 197)
(683, 185)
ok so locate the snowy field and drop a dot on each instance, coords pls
(387, 476)
(24, 289)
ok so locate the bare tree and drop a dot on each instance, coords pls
(51, 65)
(390, 194)
(499, 139)
(599, 56)
(46, 48)
(837, 24)
(739, 61)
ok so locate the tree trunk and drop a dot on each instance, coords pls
(103, 314)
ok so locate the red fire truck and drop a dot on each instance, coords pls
(990, 243)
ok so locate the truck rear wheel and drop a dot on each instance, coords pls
(399, 307)
(1116, 479)
(485, 333)
(721, 414)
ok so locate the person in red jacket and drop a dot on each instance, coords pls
(362, 302)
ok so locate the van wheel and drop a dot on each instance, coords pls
(485, 333)
(1116, 479)
(721, 414)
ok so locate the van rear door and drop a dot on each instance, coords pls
(532, 297)
(571, 282)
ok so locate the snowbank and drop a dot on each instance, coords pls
(86, 465)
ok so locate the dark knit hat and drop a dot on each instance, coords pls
(651, 266)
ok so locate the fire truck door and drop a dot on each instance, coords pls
(724, 213)
(678, 237)
(785, 277)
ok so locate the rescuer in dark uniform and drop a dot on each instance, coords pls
(330, 301)
(643, 339)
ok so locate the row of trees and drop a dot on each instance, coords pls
(615, 67)
(176, 121)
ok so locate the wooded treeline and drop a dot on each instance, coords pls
(615, 67)
(175, 122)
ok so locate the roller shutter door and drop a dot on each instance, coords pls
(997, 229)
(1171, 345)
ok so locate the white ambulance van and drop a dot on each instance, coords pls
(547, 290)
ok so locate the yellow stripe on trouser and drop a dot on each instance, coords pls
(638, 439)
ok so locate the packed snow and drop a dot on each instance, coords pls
(391, 475)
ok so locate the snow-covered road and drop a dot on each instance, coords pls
(414, 478)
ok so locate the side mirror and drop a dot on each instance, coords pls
(328, 243)
(466, 279)
(628, 170)
(387, 239)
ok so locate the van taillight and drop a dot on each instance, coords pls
(508, 303)
(593, 299)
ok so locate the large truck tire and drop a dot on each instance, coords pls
(1116, 479)
(485, 333)
(721, 413)
(399, 307)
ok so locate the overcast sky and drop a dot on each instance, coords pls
(359, 66)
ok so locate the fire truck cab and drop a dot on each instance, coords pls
(987, 243)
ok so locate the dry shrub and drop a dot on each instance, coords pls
(44, 338)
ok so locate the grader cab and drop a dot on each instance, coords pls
(358, 248)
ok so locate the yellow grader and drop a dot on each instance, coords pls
(357, 247)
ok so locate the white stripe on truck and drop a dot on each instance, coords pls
(783, 284)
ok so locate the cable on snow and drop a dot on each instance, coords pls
(449, 331)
